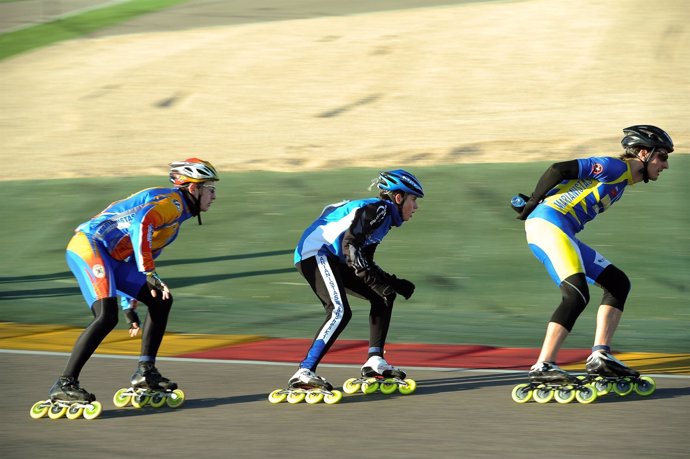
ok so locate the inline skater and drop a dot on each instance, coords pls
(336, 256)
(113, 254)
(567, 196)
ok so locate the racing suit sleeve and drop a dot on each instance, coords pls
(555, 174)
(360, 257)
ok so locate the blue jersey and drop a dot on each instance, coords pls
(375, 219)
(140, 225)
(572, 203)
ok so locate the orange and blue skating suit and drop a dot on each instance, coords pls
(110, 254)
(552, 226)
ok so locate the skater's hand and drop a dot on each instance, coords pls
(157, 285)
(133, 319)
(530, 205)
(403, 287)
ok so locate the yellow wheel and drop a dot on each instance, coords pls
(175, 399)
(121, 399)
(370, 386)
(295, 397)
(586, 394)
(74, 412)
(521, 393)
(350, 386)
(276, 396)
(336, 397)
(565, 395)
(645, 386)
(542, 395)
(623, 387)
(388, 386)
(157, 400)
(409, 387)
(93, 410)
(140, 400)
(313, 398)
(39, 409)
(57, 411)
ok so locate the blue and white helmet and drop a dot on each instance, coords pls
(399, 180)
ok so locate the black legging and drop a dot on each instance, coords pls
(105, 313)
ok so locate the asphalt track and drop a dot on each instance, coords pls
(453, 413)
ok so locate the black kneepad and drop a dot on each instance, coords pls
(616, 287)
(575, 297)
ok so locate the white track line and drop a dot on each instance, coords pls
(261, 362)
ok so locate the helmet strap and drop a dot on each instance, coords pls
(645, 166)
(193, 203)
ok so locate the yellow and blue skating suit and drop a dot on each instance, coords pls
(110, 253)
(565, 210)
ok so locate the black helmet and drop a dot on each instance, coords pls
(647, 136)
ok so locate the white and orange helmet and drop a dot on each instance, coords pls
(192, 170)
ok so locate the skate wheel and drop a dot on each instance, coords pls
(409, 387)
(277, 396)
(57, 411)
(564, 395)
(542, 395)
(521, 393)
(586, 394)
(334, 397)
(623, 387)
(175, 399)
(74, 412)
(370, 386)
(295, 397)
(313, 398)
(39, 409)
(388, 386)
(603, 386)
(140, 400)
(157, 400)
(645, 386)
(350, 386)
(93, 410)
(121, 399)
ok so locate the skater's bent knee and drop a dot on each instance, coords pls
(616, 287)
(575, 298)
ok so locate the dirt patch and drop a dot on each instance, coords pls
(487, 82)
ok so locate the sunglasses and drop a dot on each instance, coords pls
(211, 188)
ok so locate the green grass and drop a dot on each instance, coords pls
(476, 280)
(71, 27)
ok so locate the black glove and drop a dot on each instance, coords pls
(403, 287)
(132, 317)
(530, 205)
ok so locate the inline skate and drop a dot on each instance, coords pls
(377, 374)
(149, 387)
(308, 386)
(549, 382)
(608, 374)
(67, 399)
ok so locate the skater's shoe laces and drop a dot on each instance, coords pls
(377, 366)
(605, 364)
(548, 372)
(304, 377)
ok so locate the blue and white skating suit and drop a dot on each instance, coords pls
(110, 253)
(552, 226)
(322, 257)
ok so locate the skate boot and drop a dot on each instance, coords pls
(605, 364)
(607, 374)
(306, 385)
(549, 372)
(147, 376)
(149, 387)
(66, 388)
(549, 382)
(67, 399)
(379, 374)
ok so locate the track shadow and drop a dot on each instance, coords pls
(190, 404)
